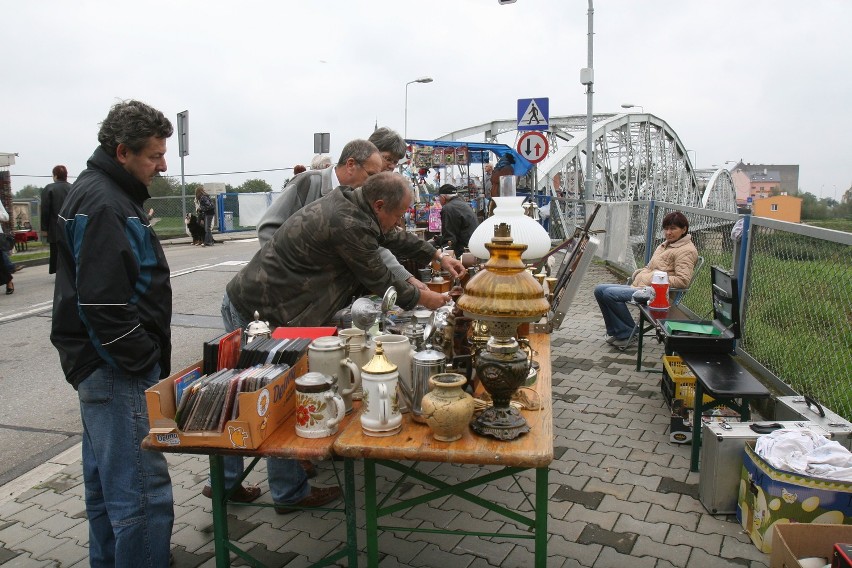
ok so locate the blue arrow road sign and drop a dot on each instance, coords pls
(533, 114)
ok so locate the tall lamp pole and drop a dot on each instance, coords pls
(587, 77)
(420, 80)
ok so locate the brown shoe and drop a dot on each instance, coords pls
(318, 497)
(310, 469)
(245, 494)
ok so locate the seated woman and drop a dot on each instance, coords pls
(676, 256)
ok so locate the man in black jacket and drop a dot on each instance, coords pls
(112, 309)
(458, 221)
(52, 197)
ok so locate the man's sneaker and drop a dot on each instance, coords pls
(623, 343)
(610, 339)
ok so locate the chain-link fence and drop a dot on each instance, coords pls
(234, 212)
(798, 309)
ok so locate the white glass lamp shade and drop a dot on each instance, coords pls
(510, 210)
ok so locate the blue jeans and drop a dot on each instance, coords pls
(612, 299)
(208, 232)
(128, 490)
(288, 482)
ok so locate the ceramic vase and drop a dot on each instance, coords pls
(447, 408)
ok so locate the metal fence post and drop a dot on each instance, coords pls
(649, 234)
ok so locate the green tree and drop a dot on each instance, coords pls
(812, 207)
(254, 186)
(29, 190)
(165, 186)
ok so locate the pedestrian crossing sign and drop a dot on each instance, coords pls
(533, 114)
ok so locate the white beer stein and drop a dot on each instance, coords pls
(328, 355)
(399, 351)
(380, 415)
(319, 409)
(356, 342)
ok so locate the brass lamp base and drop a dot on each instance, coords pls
(500, 423)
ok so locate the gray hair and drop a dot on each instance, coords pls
(132, 123)
(387, 140)
(320, 162)
(390, 187)
(358, 150)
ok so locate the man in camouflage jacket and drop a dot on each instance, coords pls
(328, 252)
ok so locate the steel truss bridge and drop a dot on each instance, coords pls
(636, 157)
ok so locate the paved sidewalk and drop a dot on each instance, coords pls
(621, 493)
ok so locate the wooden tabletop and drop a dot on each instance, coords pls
(415, 442)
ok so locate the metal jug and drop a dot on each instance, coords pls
(426, 363)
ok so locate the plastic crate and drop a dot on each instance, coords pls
(679, 382)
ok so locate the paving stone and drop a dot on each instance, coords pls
(589, 499)
(650, 482)
(6, 555)
(607, 474)
(669, 485)
(656, 531)
(610, 558)
(432, 556)
(674, 555)
(709, 543)
(584, 554)
(57, 524)
(26, 560)
(620, 541)
(649, 456)
(266, 557)
(635, 510)
(699, 557)
(609, 446)
(737, 550)
(16, 533)
(657, 513)
(69, 552)
(621, 491)
(494, 551)
(644, 495)
(40, 544)
(404, 549)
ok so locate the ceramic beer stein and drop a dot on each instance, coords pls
(398, 350)
(319, 409)
(328, 355)
(380, 415)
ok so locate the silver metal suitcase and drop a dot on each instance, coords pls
(722, 451)
(805, 408)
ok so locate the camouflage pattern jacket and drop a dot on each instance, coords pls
(320, 258)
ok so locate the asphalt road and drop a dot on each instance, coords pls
(39, 410)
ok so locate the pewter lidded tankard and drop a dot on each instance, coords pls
(426, 363)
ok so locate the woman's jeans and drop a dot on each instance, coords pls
(128, 490)
(288, 482)
(612, 299)
(208, 229)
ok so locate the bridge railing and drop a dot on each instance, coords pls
(795, 283)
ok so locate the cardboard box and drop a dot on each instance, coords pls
(261, 412)
(793, 541)
(769, 497)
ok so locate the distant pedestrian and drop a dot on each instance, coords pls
(205, 209)
(111, 325)
(52, 197)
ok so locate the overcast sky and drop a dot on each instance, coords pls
(766, 81)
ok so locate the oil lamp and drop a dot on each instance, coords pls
(504, 294)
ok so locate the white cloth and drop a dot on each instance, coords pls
(805, 452)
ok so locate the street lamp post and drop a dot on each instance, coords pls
(420, 80)
(587, 77)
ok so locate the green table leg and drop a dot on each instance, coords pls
(639, 342)
(349, 503)
(698, 408)
(220, 512)
(372, 513)
(541, 517)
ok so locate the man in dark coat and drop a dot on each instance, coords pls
(112, 311)
(458, 221)
(52, 197)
